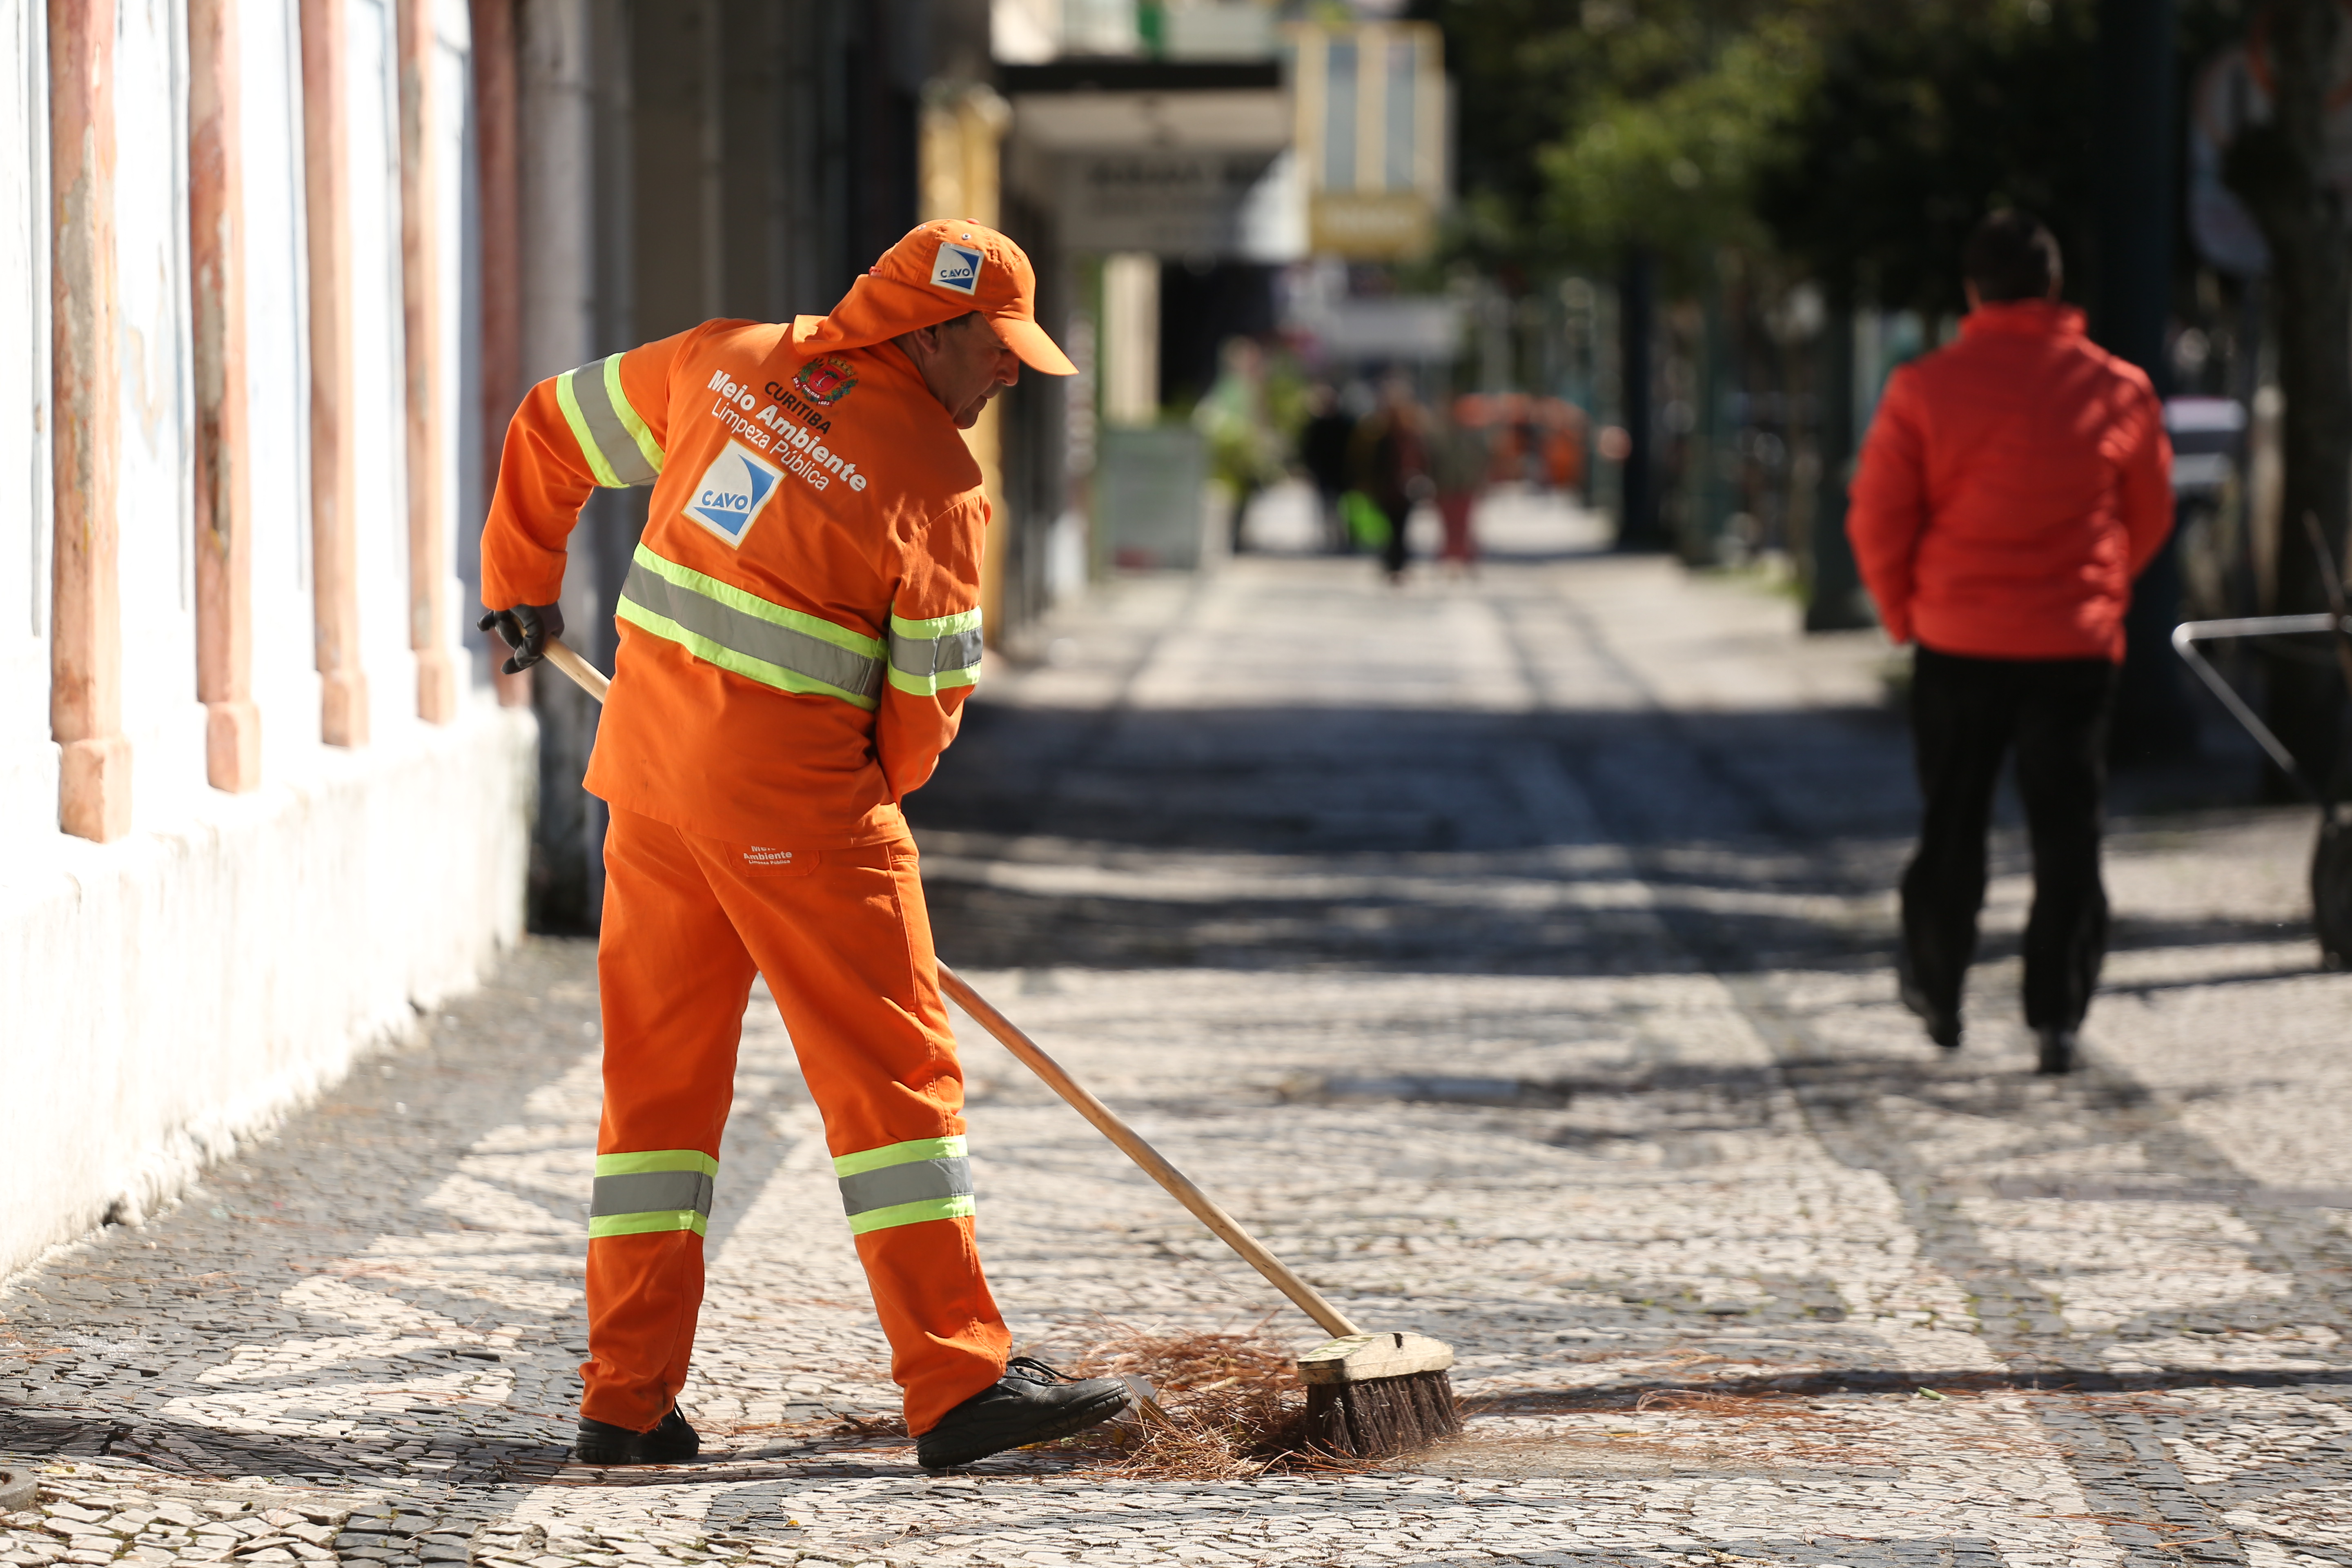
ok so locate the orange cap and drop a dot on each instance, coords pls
(942, 271)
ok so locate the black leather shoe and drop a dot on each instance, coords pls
(672, 1442)
(1031, 1402)
(1943, 1026)
(2057, 1051)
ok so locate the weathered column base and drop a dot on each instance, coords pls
(343, 710)
(437, 687)
(94, 788)
(233, 746)
(514, 690)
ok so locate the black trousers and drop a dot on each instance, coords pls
(1967, 715)
(1395, 555)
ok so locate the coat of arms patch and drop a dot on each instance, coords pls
(827, 380)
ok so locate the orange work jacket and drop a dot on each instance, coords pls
(2011, 487)
(800, 624)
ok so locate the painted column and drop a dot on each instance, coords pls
(86, 652)
(962, 135)
(326, 163)
(2137, 188)
(1834, 601)
(224, 483)
(495, 140)
(1638, 525)
(420, 250)
(559, 206)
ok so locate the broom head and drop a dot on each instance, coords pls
(1373, 1395)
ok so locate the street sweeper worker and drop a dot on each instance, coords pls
(798, 630)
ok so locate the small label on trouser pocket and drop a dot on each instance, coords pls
(766, 861)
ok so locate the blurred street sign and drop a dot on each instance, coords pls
(1371, 136)
(1205, 119)
(1168, 202)
(1149, 489)
(1181, 159)
(2207, 436)
(1423, 328)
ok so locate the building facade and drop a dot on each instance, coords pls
(259, 804)
(273, 275)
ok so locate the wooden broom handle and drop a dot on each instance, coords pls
(1180, 1186)
(591, 679)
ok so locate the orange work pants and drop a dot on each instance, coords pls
(845, 943)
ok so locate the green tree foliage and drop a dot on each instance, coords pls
(1676, 170)
(1859, 138)
(1925, 115)
(1582, 119)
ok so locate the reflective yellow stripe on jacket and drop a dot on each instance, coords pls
(761, 641)
(620, 450)
(933, 656)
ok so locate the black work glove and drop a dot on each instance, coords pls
(525, 628)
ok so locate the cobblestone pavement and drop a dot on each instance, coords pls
(1511, 953)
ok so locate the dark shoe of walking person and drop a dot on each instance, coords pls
(1943, 1024)
(672, 1442)
(2057, 1051)
(1031, 1402)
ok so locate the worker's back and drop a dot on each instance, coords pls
(797, 626)
(876, 512)
(2010, 483)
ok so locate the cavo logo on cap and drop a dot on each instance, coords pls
(958, 268)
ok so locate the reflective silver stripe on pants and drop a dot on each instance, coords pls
(912, 1182)
(763, 641)
(650, 1192)
(614, 442)
(926, 657)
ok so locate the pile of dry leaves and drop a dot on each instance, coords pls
(1224, 1406)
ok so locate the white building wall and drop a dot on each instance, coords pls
(181, 988)
(171, 991)
(378, 367)
(156, 502)
(278, 382)
(29, 758)
(457, 280)
(462, 371)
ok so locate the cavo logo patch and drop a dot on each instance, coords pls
(958, 268)
(728, 498)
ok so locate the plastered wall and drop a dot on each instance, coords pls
(182, 986)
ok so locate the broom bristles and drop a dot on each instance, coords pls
(1381, 1416)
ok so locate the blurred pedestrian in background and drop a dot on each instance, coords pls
(1460, 456)
(2012, 485)
(1323, 443)
(1245, 447)
(1506, 436)
(1390, 458)
(1561, 425)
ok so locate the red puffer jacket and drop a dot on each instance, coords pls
(2014, 484)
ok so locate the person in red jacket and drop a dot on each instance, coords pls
(2012, 486)
(799, 630)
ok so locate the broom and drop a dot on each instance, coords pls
(1369, 1396)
